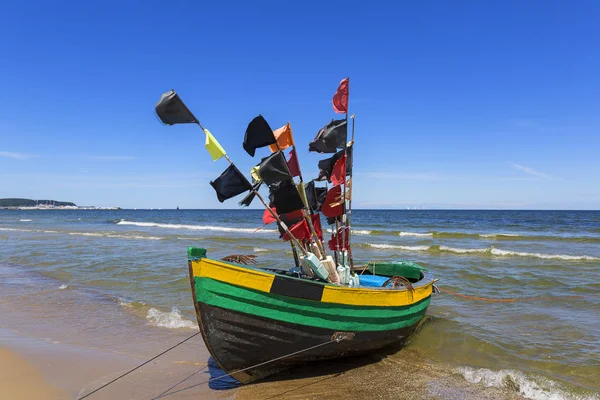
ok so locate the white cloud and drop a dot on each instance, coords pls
(16, 156)
(529, 170)
(111, 158)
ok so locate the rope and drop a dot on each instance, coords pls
(246, 369)
(181, 381)
(139, 366)
(506, 300)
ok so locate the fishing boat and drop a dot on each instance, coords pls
(258, 320)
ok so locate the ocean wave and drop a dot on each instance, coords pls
(24, 220)
(500, 252)
(63, 286)
(482, 251)
(260, 250)
(537, 388)
(499, 236)
(193, 227)
(111, 235)
(16, 230)
(171, 320)
(355, 231)
(394, 246)
(415, 234)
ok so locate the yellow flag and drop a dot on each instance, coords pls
(254, 173)
(214, 148)
(302, 193)
(284, 138)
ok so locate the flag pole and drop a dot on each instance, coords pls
(273, 213)
(344, 177)
(349, 217)
(279, 221)
(313, 232)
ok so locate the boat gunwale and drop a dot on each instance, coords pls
(427, 278)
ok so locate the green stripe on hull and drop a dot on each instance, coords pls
(307, 312)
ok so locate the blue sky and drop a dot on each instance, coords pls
(462, 104)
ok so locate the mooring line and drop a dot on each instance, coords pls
(181, 381)
(139, 366)
(507, 300)
(333, 340)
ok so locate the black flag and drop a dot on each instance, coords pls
(171, 110)
(247, 200)
(231, 183)
(326, 165)
(284, 197)
(315, 196)
(274, 168)
(258, 134)
(331, 137)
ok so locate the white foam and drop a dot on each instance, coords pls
(24, 220)
(499, 252)
(463, 251)
(354, 231)
(193, 227)
(536, 388)
(110, 235)
(415, 234)
(171, 320)
(490, 235)
(394, 246)
(492, 251)
(259, 250)
(126, 304)
(63, 286)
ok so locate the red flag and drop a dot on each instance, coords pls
(338, 173)
(340, 98)
(268, 217)
(299, 230)
(292, 164)
(316, 221)
(333, 242)
(332, 195)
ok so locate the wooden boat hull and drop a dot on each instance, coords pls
(248, 316)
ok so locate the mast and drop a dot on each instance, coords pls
(349, 216)
(307, 209)
(344, 216)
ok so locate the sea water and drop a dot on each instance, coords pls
(108, 273)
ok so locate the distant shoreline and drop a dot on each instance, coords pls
(49, 207)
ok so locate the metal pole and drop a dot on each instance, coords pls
(279, 221)
(349, 216)
(306, 218)
(344, 177)
(273, 213)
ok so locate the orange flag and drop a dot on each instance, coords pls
(340, 98)
(284, 137)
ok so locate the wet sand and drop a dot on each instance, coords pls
(37, 369)
(378, 376)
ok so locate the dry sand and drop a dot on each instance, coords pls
(21, 380)
(37, 369)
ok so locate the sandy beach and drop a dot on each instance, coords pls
(22, 380)
(37, 369)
